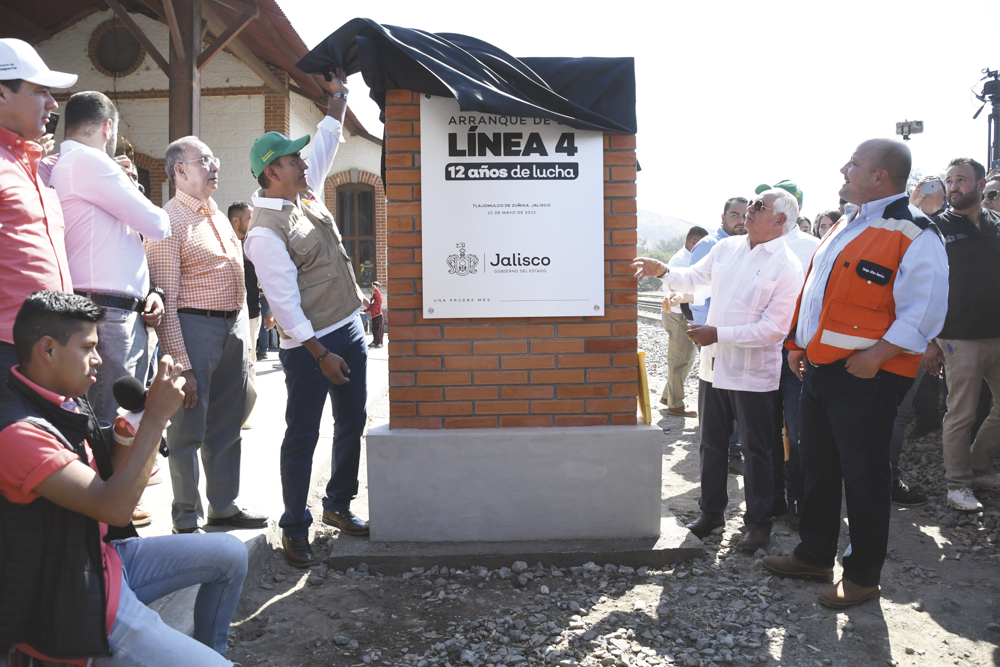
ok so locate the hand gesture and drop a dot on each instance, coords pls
(338, 84)
(167, 391)
(47, 142)
(647, 267)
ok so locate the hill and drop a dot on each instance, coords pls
(657, 226)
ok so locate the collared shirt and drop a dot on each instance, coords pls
(105, 214)
(920, 292)
(32, 248)
(802, 246)
(753, 300)
(702, 295)
(200, 265)
(375, 303)
(275, 269)
(680, 260)
(973, 275)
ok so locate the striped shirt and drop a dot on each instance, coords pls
(200, 265)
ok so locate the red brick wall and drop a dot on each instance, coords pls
(470, 373)
(157, 176)
(277, 107)
(330, 197)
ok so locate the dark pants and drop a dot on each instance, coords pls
(846, 427)
(263, 335)
(8, 359)
(791, 394)
(778, 448)
(307, 391)
(926, 402)
(754, 413)
(378, 322)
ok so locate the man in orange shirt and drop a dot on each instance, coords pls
(32, 249)
(199, 267)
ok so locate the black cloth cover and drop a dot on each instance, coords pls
(584, 93)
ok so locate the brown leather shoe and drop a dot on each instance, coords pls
(298, 553)
(846, 594)
(347, 521)
(703, 525)
(141, 518)
(755, 539)
(682, 412)
(790, 566)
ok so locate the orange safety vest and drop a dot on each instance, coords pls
(858, 305)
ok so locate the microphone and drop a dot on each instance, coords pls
(131, 396)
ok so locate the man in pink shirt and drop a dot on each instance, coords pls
(32, 250)
(79, 580)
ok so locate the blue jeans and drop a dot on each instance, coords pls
(791, 395)
(307, 391)
(156, 566)
(846, 428)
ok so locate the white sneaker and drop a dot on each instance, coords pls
(964, 500)
(987, 481)
(155, 477)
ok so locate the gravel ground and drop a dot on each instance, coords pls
(937, 605)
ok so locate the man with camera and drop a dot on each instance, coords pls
(32, 249)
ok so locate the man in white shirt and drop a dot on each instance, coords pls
(296, 247)
(106, 219)
(754, 279)
(680, 348)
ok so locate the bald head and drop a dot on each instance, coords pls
(877, 169)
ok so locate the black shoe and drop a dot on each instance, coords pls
(904, 496)
(262, 356)
(703, 525)
(298, 553)
(794, 517)
(778, 508)
(347, 521)
(241, 519)
(735, 465)
(755, 539)
(186, 531)
(920, 430)
(372, 345)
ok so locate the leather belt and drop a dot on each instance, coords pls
(119, 301)
(209, 313)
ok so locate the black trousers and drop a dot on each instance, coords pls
(754, 415)
(377, 328)
(846, 428)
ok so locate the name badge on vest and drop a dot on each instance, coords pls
(873, 272)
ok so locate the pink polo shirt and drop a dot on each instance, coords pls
(32, 249)
(29, 456)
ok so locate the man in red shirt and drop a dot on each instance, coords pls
(374, 308)
(77, 582)
(32, 250)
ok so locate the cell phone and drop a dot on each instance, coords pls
(930, 187)
(50, 127)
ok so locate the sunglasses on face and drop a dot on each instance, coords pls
(758, 205)
(991, 195)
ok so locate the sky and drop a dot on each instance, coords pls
(734, 94)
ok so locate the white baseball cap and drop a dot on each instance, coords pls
(19, 60)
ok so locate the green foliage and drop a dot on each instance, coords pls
(661, 249)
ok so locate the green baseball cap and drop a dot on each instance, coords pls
(785, 185)
(270, 146)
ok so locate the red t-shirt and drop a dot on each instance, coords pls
(29, 456)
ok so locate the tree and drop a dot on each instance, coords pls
(661, 249)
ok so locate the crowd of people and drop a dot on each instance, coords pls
(98, 285)
(827, 336)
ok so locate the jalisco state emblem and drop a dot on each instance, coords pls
(461, 263)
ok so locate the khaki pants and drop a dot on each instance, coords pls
(680, 358)
(967, 364)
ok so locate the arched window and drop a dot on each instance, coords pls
(356, 219)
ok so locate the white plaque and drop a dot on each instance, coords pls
(512, 215)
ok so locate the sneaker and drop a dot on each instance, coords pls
(794, 519)
(155, 477)
(987, 481)
(904, 496)
(964, 500)
(736, 465)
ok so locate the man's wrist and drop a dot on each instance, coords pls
(666, 270)
(156, 290)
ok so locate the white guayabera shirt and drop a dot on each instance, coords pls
(753, 299)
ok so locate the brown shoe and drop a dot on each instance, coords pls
(755, 539)
(298, 553)
(703, 525)
(846, 594)
(790, 566)
(682, 412)
(347, 521)
(141, 517)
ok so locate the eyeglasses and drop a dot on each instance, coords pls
(991, 195)
(758, 205)
(206, 161)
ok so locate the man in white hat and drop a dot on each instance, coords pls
(32, 250)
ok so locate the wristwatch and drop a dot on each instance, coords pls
(157, 290)
(343, 96)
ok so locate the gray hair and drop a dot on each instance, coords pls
(177, 153)
(786, 203)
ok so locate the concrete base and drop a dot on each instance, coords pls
(514, 484)
(674, 544)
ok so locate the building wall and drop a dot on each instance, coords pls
(467, 373)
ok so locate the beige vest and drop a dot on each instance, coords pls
(326, 280)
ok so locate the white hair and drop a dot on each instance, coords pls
(177, 153)
(785, 203)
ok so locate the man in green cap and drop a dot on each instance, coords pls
(306, 273)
